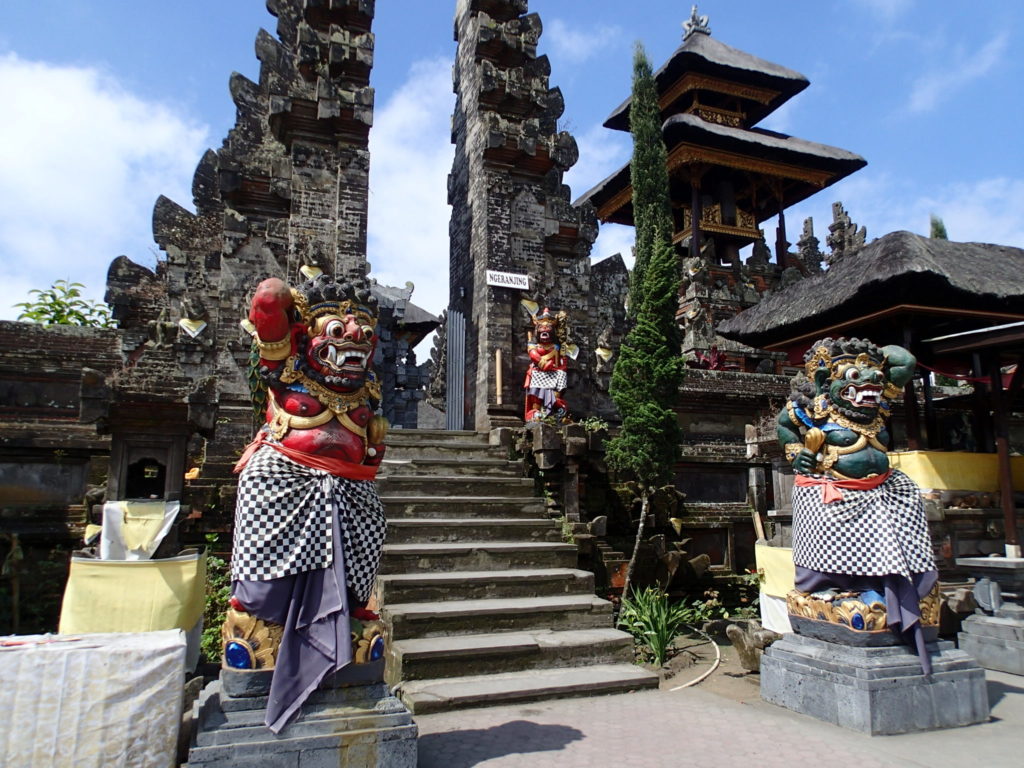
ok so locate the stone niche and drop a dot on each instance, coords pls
(146, 466)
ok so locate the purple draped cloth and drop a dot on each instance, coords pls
(313, 607)
(902, 599)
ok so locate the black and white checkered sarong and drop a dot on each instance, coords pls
(867, 533)
(283, 522)
(555, 380)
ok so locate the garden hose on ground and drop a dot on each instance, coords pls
(718, 660)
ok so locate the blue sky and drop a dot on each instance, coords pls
(109, 103)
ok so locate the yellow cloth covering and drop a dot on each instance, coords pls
(779, 572)
(955, 470)
(134, 595)
(142, 523)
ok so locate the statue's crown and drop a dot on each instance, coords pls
(323, 295)
(830, 353)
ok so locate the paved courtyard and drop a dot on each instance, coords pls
(714, 726)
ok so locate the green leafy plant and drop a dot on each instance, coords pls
(566, 529)
(593, 424)
(751, 585)
(218, 592)
(653, 621)
(62, 304)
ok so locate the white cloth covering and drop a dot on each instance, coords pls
(91, 701)
(132, 530)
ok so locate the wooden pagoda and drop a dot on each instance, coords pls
(727, 176)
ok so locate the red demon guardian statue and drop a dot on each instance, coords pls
(546, 378)
(309, 526)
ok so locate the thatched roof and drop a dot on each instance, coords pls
(764, 144)
(706, 55)
(748, 142)
(900, 268)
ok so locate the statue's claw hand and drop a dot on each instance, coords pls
(805, 462)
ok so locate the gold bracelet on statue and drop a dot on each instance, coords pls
(275, 350)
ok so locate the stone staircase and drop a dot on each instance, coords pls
(482, 597)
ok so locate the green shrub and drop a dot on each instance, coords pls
(653, 622)
(218, 592)
(62, 304)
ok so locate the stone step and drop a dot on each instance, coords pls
(476, 556)
(439, 449)
(418, 436)
(343, 747)
(438, 695)
(408, 505)
(506, 614)
(440, 530)
(391, 467)
(443, 486)
(249, 726)
(346, 725)
(481, 585)
(438, 657)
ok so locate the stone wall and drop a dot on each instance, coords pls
(47, 458)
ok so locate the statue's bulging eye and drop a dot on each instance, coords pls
(335, 329)
(368, 331)
(852, 374)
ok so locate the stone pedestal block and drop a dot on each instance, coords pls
(997, 642)
(351, 725)
(994, 635)
(874, 690)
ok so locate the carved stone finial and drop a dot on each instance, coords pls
(696, 23)
(844, 237)
(810, 254)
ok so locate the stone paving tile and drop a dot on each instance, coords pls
(698, 728)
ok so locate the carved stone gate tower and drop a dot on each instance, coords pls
(511, 213)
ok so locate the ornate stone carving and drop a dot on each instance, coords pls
(696, 24)
(844, 236)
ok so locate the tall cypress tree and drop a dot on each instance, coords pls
(646, 379)
(652, 209)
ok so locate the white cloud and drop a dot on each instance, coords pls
(886, 10)
(602, 152)
(982, 210)
(959, 69)
(614, 239)
(573, 45)
(410, 157)
(81, 163)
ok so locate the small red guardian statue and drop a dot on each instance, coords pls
(546, 378)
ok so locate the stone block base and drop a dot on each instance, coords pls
(997, 642)
(874, 690)
(360, 725)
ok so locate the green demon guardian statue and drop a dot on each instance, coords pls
(865, 572)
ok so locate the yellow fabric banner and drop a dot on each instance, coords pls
(134, 595)
(955, 470)
(777, 564)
